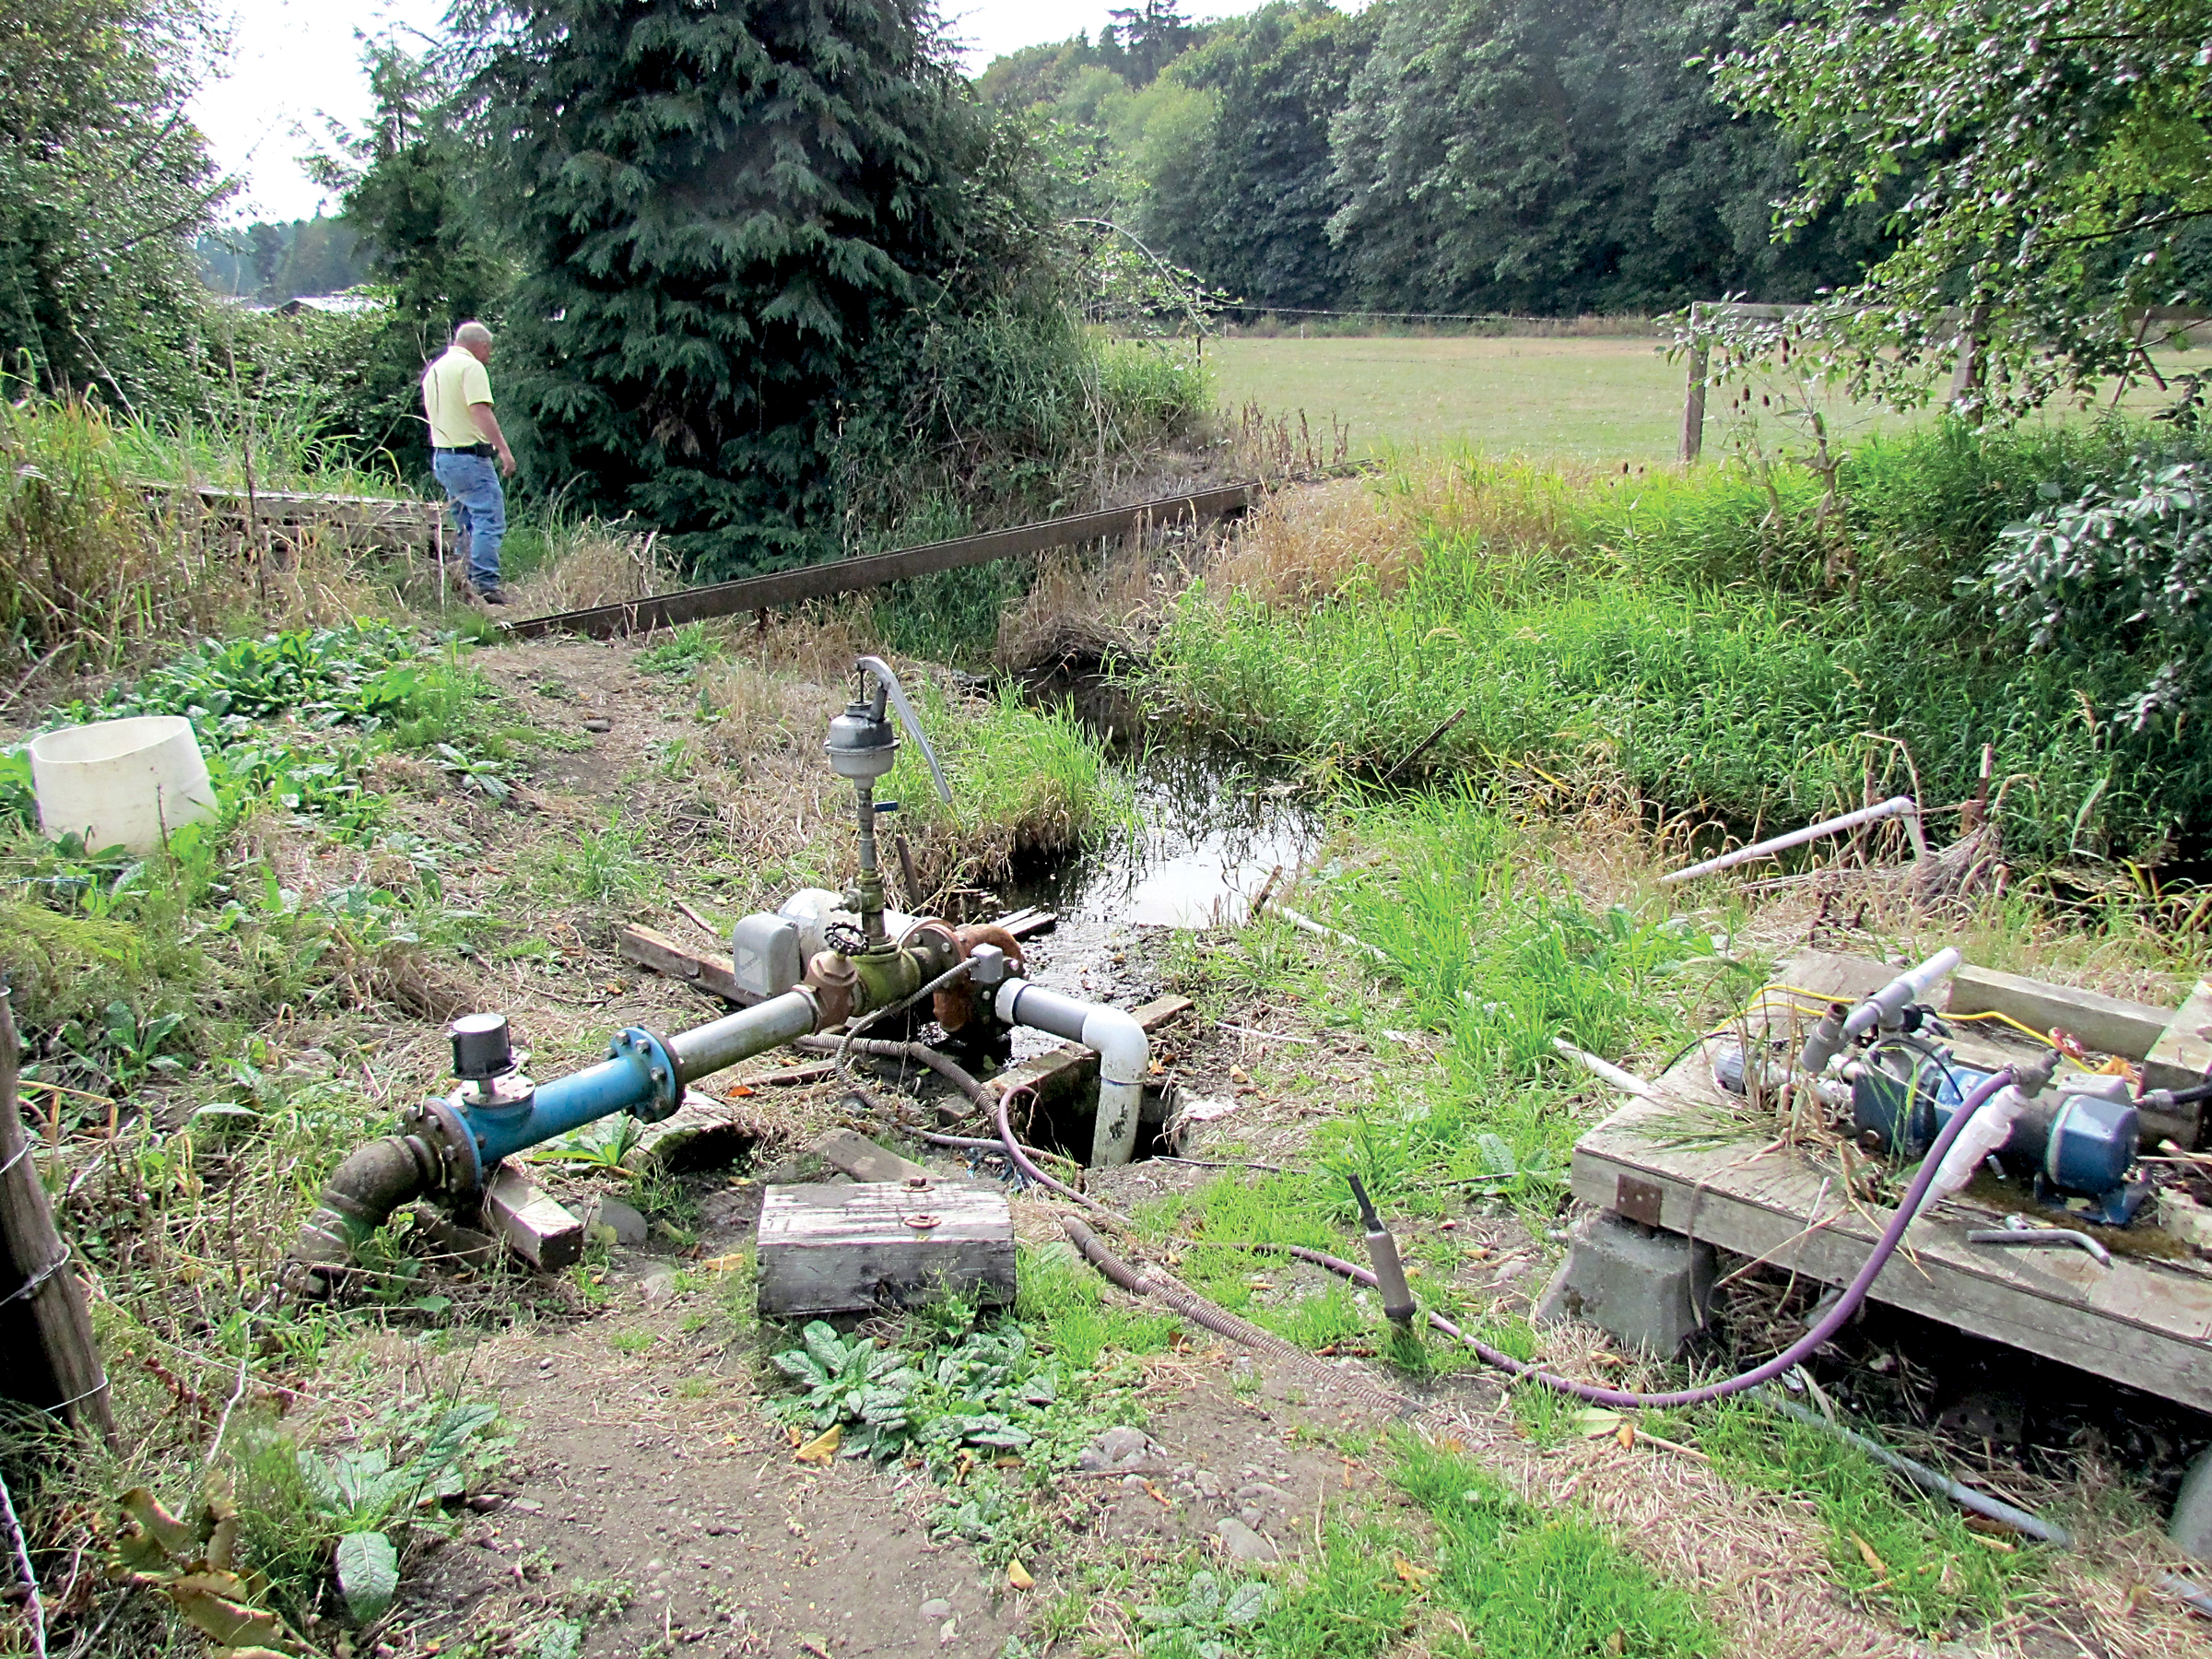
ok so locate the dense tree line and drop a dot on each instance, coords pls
(276, 261)
(1447, 155)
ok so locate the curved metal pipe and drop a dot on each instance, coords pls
(362, 1192)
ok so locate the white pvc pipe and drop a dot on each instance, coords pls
(1887, 1004)
(1628, 1082)
(1125, 1055)
(1896, 807)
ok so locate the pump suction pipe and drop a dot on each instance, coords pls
(1125, 1055)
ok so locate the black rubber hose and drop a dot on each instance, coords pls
(362, 1192)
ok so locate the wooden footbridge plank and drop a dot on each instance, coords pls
(851, 575)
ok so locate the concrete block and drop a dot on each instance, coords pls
(622, 1223)
(862, 1160)
(1647, 1288)
(2182, 1055)
(2190, 1526)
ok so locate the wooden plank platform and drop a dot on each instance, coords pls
(2145, 1322)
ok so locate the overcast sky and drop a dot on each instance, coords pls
(292, 60)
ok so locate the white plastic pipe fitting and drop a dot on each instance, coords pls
(1124, 1056)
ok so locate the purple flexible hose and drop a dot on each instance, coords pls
(1856, 1293)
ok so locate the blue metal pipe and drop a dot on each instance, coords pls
(641, 1075)
(621, 1083)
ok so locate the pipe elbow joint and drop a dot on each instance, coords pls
(1124, 1057)
(1124, 1051)
(362, 1192)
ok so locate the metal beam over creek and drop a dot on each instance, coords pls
(850, 575)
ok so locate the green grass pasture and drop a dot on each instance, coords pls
(1602, 400)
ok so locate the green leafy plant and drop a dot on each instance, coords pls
(2121, 567)
(479, 772)
(615, 1139)
(850, 1381)
(989, 1390)
(690, 647)
(366, 1494)
(125, 1048)
(1207, 1622)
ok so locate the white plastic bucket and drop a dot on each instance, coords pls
(121, 783)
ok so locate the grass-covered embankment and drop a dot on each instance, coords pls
(1710, 638)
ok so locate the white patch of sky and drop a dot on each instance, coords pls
(294, 62)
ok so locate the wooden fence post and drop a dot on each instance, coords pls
(1693, 401)
(1967, 367)
(42, 1313)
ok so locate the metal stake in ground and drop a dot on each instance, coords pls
(41, 1306)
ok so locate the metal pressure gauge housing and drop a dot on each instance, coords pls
(862, 744)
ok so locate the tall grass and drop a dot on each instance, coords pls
(93, 560)
(1025, 783)
(1679, 630)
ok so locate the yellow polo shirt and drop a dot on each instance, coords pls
(449, 385)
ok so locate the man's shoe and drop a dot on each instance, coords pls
(492, 596)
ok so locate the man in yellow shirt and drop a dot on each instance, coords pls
(465, 440)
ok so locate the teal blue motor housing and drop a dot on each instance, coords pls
(2071, 1145)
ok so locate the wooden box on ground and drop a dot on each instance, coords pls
(850, 1249)
(2142, 1322)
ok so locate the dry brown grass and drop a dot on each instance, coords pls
(594, 563)
(1084, 610)
(1309, 543)
(94, 562)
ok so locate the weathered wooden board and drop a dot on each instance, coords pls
(2104, 1023)
(352, 521)
(2143, 1322)
(853, 1248)
(717, 975)
(2183, 1053)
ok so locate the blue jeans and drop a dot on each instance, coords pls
(479, 511)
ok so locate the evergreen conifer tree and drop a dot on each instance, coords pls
(721, 204)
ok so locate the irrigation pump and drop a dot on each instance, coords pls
(822, 962)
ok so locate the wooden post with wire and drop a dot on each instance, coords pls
(1693, 401)
(42, 1315)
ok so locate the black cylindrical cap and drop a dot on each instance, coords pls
(482, 1046)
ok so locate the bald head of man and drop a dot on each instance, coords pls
(475, 339)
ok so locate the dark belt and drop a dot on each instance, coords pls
(483, 451)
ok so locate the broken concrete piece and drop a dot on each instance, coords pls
(2186, 1218)
(874, 1245)
(862, 1160)
(703, 1132)
(1118, 1448)
(2190, 1526)
(464, 1246)
(1647, 1288)
(622, 1224)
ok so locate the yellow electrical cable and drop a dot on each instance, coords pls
(2025, 1030)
